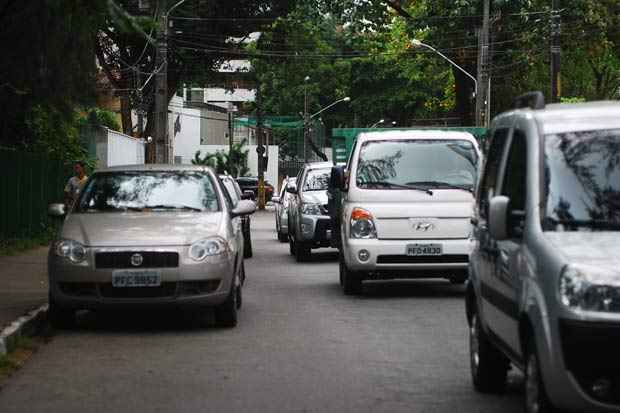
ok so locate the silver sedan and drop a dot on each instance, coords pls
(154, 235)
(281, 208)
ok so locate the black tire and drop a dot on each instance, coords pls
(282, 237)
(291, 245)
(226, 313)
(247, 246)
(60, 317)
(535, 397)
(489, 367)
(459, 278)
(350, 281)
(302, 251)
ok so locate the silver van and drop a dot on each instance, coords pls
(544, 289)
(408, 199)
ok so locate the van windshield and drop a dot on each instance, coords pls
(582, 181)
(415, 163)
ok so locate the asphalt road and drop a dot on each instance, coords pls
(300, 346)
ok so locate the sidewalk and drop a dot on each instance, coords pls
(23, 284)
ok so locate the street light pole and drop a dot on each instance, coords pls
(379, 122)
(418, 43)
(306, 119)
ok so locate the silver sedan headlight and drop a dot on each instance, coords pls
(586, 288)
(71, 250)
(311, 209)
(207, 247)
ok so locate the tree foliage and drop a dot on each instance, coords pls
(47, 70)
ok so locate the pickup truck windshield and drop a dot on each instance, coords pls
(582, 181)
(317, 180)
(149, 191)
(416, 163)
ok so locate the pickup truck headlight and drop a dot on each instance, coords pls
(362, 224)
(590, 289)
(207, 247)
(71, 250)
(311, 209)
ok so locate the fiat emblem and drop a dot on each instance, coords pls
(423, 226)
(136, 260)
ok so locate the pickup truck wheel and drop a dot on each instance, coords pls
(226, 313)
(60, 317)
(489, 367)
(302, 251)
(350, 281)
(536, 400)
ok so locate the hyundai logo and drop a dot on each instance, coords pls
(423, 226)
(136, 260)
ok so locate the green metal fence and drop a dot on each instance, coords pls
(28, 183)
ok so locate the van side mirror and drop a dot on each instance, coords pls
(498, 217)
(338, 178)
(275, 199)
(57, 210)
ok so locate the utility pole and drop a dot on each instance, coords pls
(161, 89)
(556, 86)
(483, 69)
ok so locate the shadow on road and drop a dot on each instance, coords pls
(145, 322)
(406, 288)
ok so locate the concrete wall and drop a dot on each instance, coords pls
(114, 148)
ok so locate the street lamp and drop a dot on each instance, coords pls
(379, 122)
(418, 43)
(308, 118)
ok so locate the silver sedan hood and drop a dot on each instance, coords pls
(598, 248)
(314, 197)
(140, 229)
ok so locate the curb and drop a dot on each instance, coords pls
(23, 326)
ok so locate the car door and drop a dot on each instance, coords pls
(503, 283)
(485, 254)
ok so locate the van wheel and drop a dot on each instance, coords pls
(282, 237)
(350, 281)
(226, 313)
(489, 367)
(302, 252)
(536, 400)
(60, 317)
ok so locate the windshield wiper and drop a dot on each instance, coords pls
(443, 185)
(582, 223)
(387, 184)
(181, 207)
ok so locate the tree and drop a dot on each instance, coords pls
(235, 163)
(47, 70)
(200, 41)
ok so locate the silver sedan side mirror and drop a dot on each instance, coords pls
(244, 207)
(57, 210)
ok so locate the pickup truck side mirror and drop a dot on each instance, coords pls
(291, 189)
